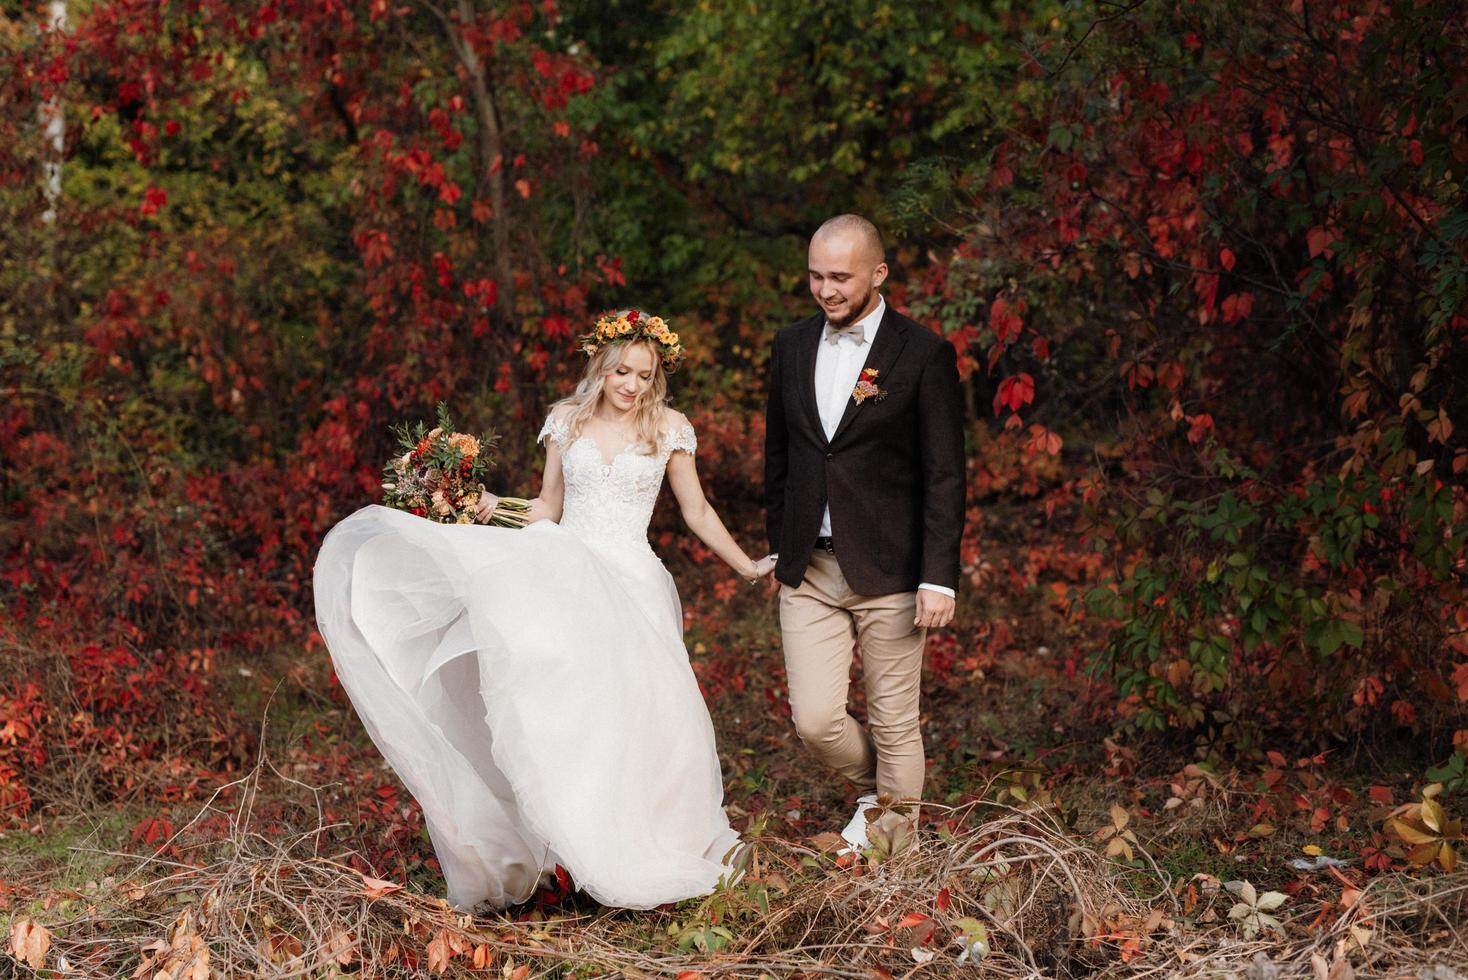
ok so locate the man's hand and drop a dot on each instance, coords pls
(934, 610)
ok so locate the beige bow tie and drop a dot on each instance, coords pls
(856, 333)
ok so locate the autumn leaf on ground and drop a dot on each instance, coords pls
(29, 941)
(374, 888)
(1119, 839)
(1252, 910)
(1427, 830)
(440, 951)
(340, 947)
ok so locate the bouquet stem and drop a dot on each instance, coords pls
(510, 512)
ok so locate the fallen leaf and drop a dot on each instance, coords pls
(439, 952)
(374, 888)
(29, 941)
(339, 947)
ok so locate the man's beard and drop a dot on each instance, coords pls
(854, 309)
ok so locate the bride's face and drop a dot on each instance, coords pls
(630, 377)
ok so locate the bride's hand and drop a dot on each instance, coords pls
(762, 568)
(539, 511)
(485, 507)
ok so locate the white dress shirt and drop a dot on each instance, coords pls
(838, 366)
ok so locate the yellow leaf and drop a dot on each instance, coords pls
(1432, 814)
(1119, 817)
(1410, 833)
(1313, 850)
(1447, 857)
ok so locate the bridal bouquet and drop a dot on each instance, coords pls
(437, 475)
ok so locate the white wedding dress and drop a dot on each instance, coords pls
(532, 690)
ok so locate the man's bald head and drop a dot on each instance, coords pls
(857, 230)
(847, 267)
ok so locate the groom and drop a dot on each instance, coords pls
(864, 493)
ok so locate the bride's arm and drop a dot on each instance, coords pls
(547, 506)
(699, 515)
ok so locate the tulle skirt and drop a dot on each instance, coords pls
(532, 691)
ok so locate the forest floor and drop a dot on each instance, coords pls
(1050, 845)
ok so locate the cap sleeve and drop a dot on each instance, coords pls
(555, 431)
(681, 439)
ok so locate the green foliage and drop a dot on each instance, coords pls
(1241, 288)
(1453, 774)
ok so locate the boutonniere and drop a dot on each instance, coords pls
(866, 386)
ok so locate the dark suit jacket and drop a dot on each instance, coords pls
(893, 472)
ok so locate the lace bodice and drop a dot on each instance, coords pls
(611, 503)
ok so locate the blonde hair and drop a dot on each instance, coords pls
(647, 412)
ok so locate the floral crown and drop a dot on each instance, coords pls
(613, 328)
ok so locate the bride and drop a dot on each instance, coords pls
(531, 687)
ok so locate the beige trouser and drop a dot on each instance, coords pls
(819, 623)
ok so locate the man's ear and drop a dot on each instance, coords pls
(879, 274)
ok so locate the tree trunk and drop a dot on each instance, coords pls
(491, 153)
(53, 126)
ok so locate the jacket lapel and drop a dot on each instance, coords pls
(891, 338)
(805, 372)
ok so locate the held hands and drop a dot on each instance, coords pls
(761, 568)
(934, 610)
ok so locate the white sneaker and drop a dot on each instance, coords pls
(855, 832)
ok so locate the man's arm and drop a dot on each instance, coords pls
(777, 450)
(940, 438)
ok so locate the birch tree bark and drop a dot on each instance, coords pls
(53, 126)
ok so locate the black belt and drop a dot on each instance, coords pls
(823, 543)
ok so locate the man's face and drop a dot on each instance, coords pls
(844, 276)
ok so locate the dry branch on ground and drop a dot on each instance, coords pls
(1014, 888)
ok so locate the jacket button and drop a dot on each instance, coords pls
(830, 455)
